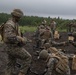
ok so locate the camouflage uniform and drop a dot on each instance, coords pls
(40, 29)
(53, 26)
(74, 41)
(45, 35)
(14, 51)
(51, 70)
(54, 44)
(52, 63)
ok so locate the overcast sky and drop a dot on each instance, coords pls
(53, 8)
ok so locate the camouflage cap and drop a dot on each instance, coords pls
(17, 12)
(43, 54)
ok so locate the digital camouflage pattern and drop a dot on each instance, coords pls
(52, 69)
(12, 37)
(45, 35)
(53, 26)
(56, 65)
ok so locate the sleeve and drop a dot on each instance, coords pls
(57, 44)
(10, 34)
(50, 65)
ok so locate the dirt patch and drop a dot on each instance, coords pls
(38, 67)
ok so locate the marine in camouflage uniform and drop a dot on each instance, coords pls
(45, 35)
(53, 64)
(12, 38)
(53, 26)
(40, 29)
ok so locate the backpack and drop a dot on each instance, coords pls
(62, 65)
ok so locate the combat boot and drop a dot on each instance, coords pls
(20, 73)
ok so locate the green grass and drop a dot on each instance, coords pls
(61, 30)
(28, 28)
(32, 29)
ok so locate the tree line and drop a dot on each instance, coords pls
(35, 20)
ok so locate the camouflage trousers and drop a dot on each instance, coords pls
(15, 53)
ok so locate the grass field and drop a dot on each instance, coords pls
(32, 29)
(28, 28)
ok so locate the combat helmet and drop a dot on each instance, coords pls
(43, 54)
(17, 13)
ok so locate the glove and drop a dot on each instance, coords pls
(21, 41)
